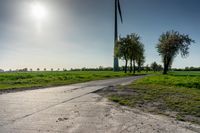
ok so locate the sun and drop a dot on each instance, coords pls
(38, 11)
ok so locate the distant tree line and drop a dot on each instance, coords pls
(100, 68)
(31, 70)
(187, 69)
(152, 67)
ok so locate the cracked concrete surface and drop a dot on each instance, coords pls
(75, 109)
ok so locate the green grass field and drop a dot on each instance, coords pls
(16, 80)
(176, 94)
(178, 79)
(185, 73)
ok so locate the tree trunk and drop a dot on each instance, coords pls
(139, 68)
(166, 65)
(125, 70)
(134, 67)
(165, 69)
(131, 66)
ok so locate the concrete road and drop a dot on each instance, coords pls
(76, 109)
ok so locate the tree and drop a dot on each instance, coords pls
(170, 45)
(136, 52)
(140, 59)
(140, 62)
(25, 70)
(154, 66)
(160, 68)
(122, 50)
(133, 50)
(147, 68)
(130, 49)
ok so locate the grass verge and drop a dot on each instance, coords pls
(26, 80)
(173, 95)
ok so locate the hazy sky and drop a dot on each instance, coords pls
(79, 33)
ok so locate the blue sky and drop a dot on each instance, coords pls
(79, 33)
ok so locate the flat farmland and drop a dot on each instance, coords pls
(26, 80)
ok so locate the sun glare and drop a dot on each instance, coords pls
(38, 11)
